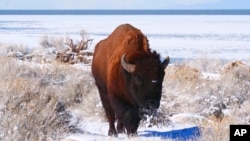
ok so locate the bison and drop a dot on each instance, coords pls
(128, 76)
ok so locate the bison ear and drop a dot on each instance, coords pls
(165, 63)
(128, 67)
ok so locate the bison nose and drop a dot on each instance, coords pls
(149, 107)
(153, 104)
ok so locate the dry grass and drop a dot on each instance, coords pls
(38, 101)
(50, 48)
(182, 76)
(50, 41)
(218, 130)
(36, 98)
(224, 100)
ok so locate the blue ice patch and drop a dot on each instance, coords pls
(180, 135)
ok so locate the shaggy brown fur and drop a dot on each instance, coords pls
(123, 92)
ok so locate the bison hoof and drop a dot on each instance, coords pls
(112, 132)
(121, 130)
(131, 135)
(120, 127)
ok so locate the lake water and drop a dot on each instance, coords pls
(179, 36)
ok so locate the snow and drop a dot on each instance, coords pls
(211, 76)
(188, 119)
(97, 130)
(226, 37)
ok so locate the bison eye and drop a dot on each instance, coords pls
(154, 81)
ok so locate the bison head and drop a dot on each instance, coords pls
(143, 80)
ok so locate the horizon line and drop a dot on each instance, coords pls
(121, 9)
(126, 12)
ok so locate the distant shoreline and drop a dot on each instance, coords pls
(127, 12)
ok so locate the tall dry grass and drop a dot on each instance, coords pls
(36, 98)
(223, 97)
(47, 101)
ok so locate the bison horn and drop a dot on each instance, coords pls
(128, 67)
(165, 63)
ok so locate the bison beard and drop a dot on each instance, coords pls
(128, 76)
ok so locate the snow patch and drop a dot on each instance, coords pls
(210, 76)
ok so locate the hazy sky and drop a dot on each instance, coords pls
(124, 4)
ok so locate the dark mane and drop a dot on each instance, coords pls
(132, 58)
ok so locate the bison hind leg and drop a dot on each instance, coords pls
(108, 109)
(111, 118)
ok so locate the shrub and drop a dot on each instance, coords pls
(35, 99)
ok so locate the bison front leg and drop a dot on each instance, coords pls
(131, 120)
(128, 115)
(120, 127)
